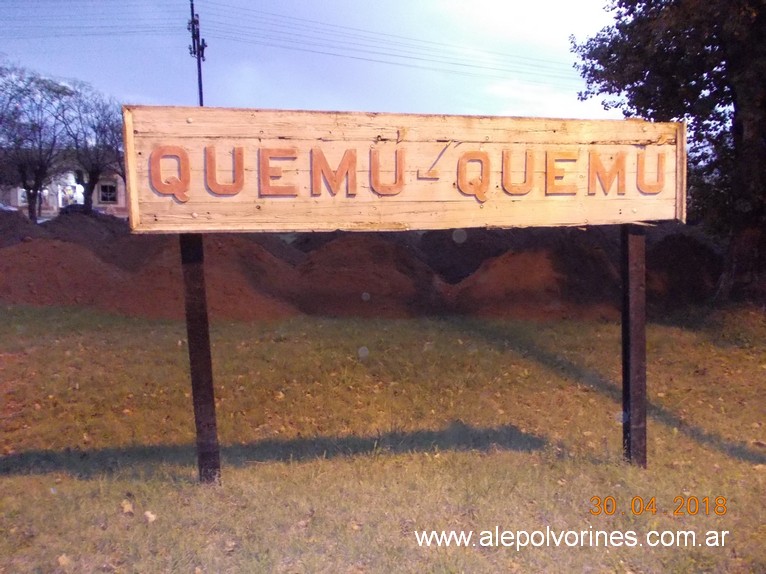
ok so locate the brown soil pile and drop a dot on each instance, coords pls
(15, 227)
(456, 254)
(94, 261)
(156, 288)
(54, 272)
(511, 284)
(524, 285)
(366, 275)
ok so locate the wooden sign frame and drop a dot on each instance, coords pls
(217, 169)
(194, 170)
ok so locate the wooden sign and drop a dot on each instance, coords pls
(209, 169)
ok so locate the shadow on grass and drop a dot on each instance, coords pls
(456, 437)
(524, 342)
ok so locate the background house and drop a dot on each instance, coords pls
(109, 196)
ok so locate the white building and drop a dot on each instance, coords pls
(108, 197)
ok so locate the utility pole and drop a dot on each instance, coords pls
(197, 48)
(197, 324)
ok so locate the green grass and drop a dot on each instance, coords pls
(331, 460)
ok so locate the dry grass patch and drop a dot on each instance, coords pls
(341, 438)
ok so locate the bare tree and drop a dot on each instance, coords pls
(9, 93)
(94, 126)
(33, 133)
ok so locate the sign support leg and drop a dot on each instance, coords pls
(634, 344)
(200, 363)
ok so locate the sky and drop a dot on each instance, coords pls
(475, 57)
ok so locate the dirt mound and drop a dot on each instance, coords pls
(15, 227)
(366, 275)
(54, 272)
(84, 229)
(307, 242)
(524, 285)
(156, 288)
(547, 272)
(558, 272)
(455, 254)
(237, 264)
(276, 244)
(108, 237)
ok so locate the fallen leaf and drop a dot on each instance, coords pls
(127, 507)
(64, 561)
(150, 516)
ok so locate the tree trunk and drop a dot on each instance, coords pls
(744, 273)
(746, 67)
(89, 189)
(31, 196)
(87, 198)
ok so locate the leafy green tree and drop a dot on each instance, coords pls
(703, 61)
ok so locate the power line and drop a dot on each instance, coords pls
(385, 36)
(477, 60)
(91, 33)
(284, 32)
(405, 63)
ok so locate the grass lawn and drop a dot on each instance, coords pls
(342, 438)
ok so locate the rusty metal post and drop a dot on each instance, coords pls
(200, 362)
(634, 344)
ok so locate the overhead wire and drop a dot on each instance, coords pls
(478, 63)
(402, 63)
(386, 36)
(252, 26)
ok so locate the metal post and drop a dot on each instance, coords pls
(634, 344)
(197, 325)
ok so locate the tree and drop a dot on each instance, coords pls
(33, 135)
(8, 114)
(703, 61)
(94, 126)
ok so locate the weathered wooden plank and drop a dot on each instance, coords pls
(200, 361)
(194, 169)
(634, 344)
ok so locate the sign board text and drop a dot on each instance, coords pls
(211, 169)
